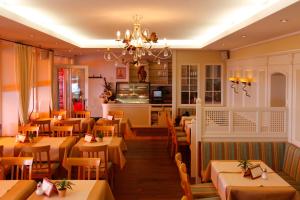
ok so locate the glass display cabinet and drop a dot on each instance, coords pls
(132, 92)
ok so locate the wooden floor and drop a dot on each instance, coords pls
(149, 173)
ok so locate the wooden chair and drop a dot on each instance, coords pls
(76, 123)
(177, 141)
(83, 164)
(202, 190)
(62, 131)
(81, 114)
(27, 130)
(44, 126)
(114, 122)
(56, 113)
(108, 131)
(101, 151)
(20, 167)
(116, 113)
(42, 166)
(177, 130)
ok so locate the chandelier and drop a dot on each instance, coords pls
(137, 44)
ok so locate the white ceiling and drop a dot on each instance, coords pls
(93, 23)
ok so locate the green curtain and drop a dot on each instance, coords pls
(25, 61)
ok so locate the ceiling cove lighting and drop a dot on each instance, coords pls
(33, 14)
(136, 44)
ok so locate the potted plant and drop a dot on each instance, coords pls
(244, 165)
(31, 137)
(99, 137)
(62, 187)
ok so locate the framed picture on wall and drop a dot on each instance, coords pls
(121, 73)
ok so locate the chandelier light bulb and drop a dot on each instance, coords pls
(143, 52)
(108, 56)
(166, 53)
(130, 52)
(118, 35)
(123, 52)
(149, 53)
(116, 63)
(127, 34)
(158, 61)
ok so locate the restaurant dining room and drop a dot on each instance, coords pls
(150, 100)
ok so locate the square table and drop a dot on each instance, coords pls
(230, 183)
(58, 145)
(116, 146)
(16, 189)
(82, 189)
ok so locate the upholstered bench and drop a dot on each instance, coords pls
(282, 157)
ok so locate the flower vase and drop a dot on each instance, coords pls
(62, 193)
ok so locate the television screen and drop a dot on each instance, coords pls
(157, 93)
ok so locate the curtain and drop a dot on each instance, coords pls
(53, 104)
(25, 61)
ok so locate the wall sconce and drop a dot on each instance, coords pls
(234, 83)
(246, 82)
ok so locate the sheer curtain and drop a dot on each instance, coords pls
(25, 63)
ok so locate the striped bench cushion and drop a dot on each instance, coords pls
(272, 153)
(291, 165)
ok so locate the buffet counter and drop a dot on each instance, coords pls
(140, 115)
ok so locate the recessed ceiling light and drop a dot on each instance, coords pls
(70, 50)
(284, 20)
(223, 44)
(243, 36)
(31, 35)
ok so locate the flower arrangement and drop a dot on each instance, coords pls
(107, 92)
(31, 137)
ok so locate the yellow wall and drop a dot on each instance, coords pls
(280, 45)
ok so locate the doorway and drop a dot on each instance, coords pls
(278, 90)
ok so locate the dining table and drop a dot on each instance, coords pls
(231, 184)
(58, 146)
(81, 189)
(16, 189)
(116, 147)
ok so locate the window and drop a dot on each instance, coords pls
(213, 84)
(189, 86)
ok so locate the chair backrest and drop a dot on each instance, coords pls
(107, 131)
(56, 113)
(116, 113)
(106, 122)
(1, 150)
(42, 124)
(62, 131)
(185, 181)
(41, 160)
(27, 130)
(100, 151)
(83, 164)
(81, 114)
(178, 160)
(76, 123)
(184, 197)
(21, 167)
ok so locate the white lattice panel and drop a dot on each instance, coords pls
(243, 122)
(216, 120)
(273, 122)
